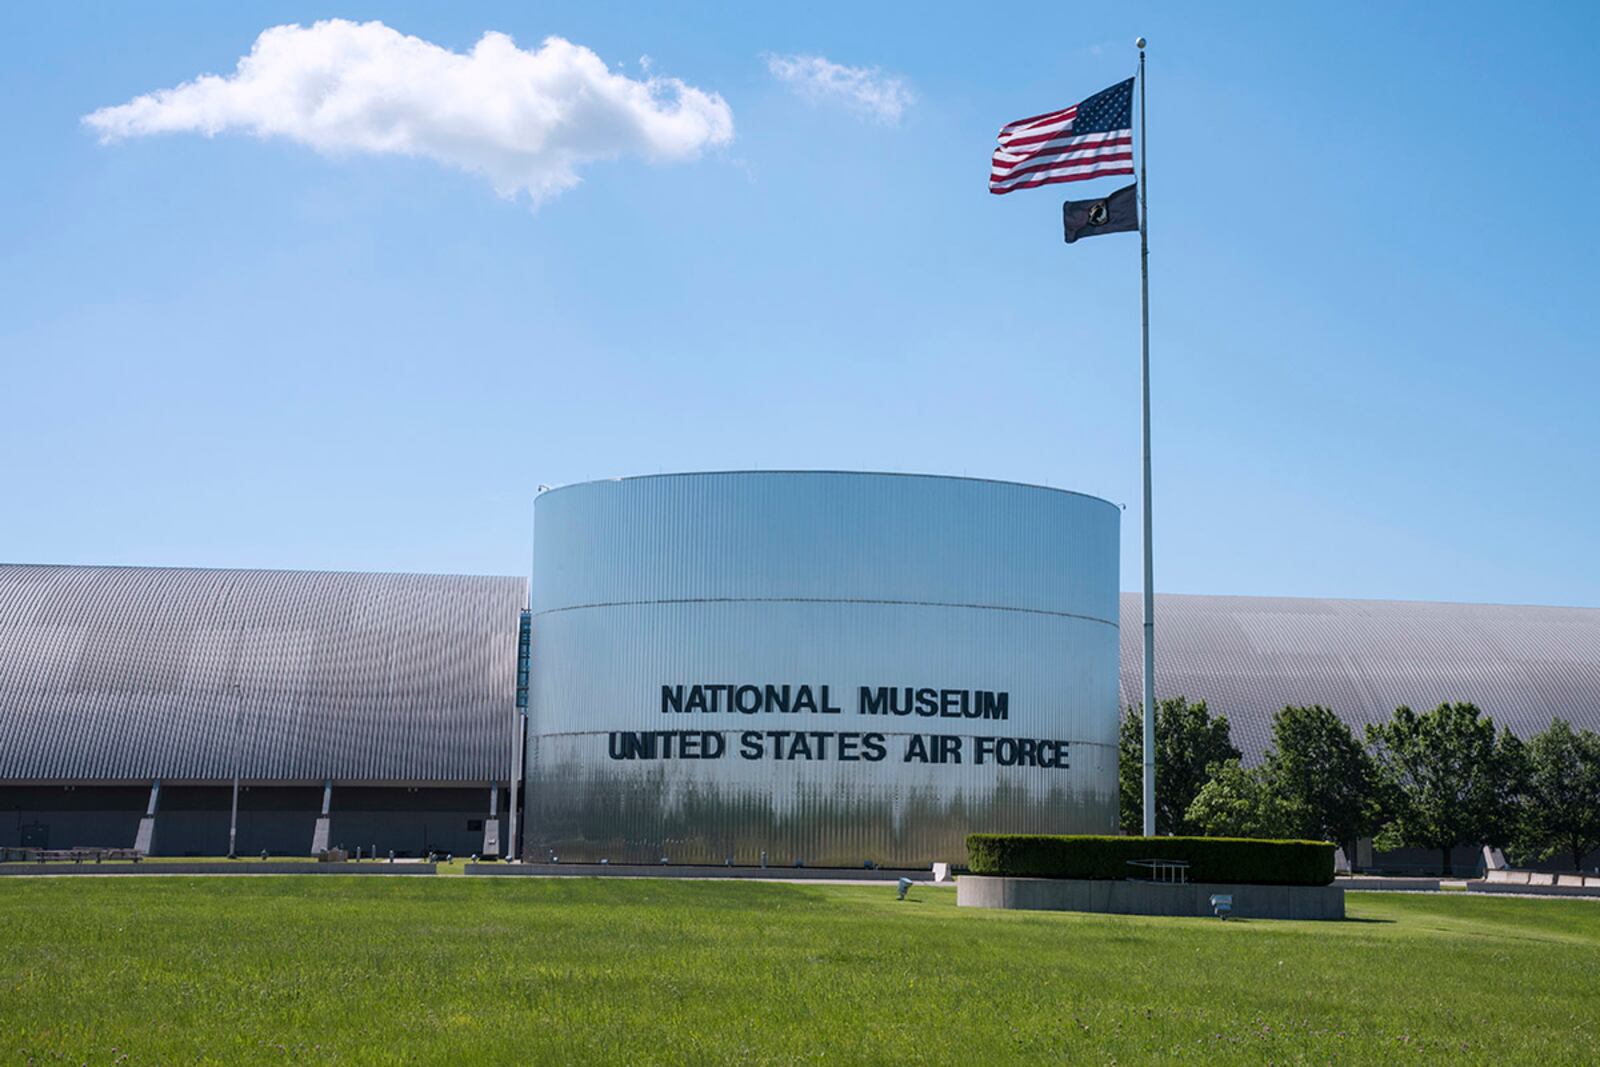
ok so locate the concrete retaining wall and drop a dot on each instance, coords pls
(1543, 878)
(241, 867)
(1149, 898)
(1367, 883)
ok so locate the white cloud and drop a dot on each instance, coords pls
(525, 119)
(866, 90)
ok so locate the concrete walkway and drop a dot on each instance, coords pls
(252, 868)
(839, 875)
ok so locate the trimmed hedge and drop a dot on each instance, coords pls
(1211, 859)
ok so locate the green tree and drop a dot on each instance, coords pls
(1188, 741)
(1323, 775)
(1238, 802)
(1563, 811)
(1449, 779)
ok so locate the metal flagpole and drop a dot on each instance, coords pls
(1149, 567)
(238, 757)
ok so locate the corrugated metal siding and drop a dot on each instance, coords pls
(776, 535)
(115, 673)
(1247, 657)
(816, 578)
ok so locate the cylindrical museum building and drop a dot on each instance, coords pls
(819, 668)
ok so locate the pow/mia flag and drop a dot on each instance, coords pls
(1116, 213)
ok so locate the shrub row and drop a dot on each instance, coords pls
(1210, 859)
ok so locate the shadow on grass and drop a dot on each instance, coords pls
(1239, 920)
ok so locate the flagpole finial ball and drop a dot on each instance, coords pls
(1139, 43)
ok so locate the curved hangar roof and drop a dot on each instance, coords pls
(1247, 657)
(132, 673)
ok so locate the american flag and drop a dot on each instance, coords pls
(1087, 140)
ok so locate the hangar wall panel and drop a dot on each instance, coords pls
(816, 579)
(134, 673)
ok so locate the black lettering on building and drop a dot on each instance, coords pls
(993, 705)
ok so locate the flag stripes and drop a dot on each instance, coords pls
(1087, 140)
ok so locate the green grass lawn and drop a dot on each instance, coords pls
(467, 971)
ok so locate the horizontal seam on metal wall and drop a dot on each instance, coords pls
(735, 729)
(824, 600)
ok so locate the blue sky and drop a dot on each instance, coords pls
(1373, 269)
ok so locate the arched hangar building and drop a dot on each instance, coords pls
(135, 691)
(682, 631)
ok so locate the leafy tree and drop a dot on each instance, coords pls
(1188, 741)
(1507, 819)
(1323, 775)
(1450, 780)
(1238, 802)
(1563, 811)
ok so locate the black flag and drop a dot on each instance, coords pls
(1116, 213)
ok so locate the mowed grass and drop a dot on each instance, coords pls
(467, 971)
